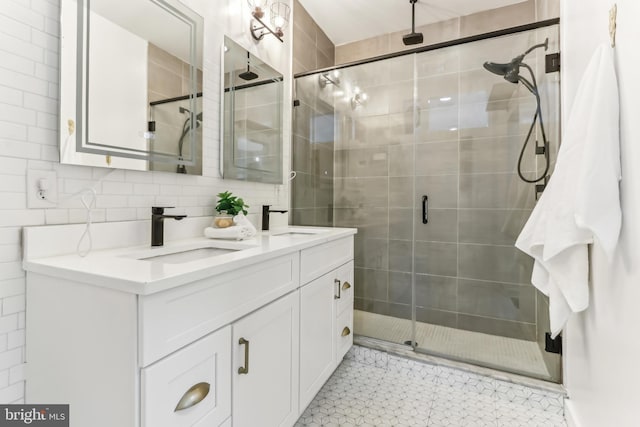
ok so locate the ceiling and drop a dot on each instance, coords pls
(351, 20)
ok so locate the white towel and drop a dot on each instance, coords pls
(581, 203)
(243, 229)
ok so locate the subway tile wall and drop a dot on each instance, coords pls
(29, 47)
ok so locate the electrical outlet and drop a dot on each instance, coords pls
(42, 189)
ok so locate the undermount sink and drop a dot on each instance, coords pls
(187, 256)
(188, 253)
(293, 232)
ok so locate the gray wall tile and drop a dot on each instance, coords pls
(436, 292)
(491, 226)
(371, 252)
(436, 258)
(401, 192)
(362, 192)
(508, 16)
(495, 191)
(509, 302)
(442, 225)
(372, 284)
(442, 190)
(498, 154)
(399, 287)
(436, 158)
(495, 263)
(362, 162)
(400, 255)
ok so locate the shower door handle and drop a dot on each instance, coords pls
(425, 209)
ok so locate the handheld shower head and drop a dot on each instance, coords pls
(510, 71)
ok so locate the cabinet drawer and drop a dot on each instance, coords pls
(344, 333)
(344, 287)
(174, 318)
(318, 260)
(201, 372)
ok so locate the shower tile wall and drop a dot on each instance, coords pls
(312, 49)
(312, 188)
(313, 125)
(469, 127)
(522, 13)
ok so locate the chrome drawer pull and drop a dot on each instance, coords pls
(345, 286)
(193, 396)
(346, 331)
(337, 282)
(244, 369)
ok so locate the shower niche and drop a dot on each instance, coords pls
(251, 130)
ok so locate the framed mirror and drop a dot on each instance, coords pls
(131, 85)
(252, 117)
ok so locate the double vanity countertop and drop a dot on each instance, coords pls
(142, 269)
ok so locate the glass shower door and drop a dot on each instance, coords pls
(473, 298)
(375, 143)
(372, 190)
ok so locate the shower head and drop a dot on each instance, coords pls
(511, 70)
(413, 37)
(248, 75)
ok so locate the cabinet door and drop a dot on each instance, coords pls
(344, 334)
(344, 288)
(317, 343)
(265, 365)
(191, 387)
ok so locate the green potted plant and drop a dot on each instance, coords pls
(228, 206)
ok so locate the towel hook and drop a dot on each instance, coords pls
(613, 12)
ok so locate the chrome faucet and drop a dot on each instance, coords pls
(265, 216)
(157, 224)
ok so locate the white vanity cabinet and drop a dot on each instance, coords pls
(247, 346)
(326, 313)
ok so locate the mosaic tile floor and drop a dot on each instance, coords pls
(372, 388)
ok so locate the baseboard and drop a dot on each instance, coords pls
(569, 414)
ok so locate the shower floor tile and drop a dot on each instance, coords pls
(373, 388)
(488, 350)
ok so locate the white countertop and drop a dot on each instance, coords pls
(117, 268)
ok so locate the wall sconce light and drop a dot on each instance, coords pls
(359, 98)
(332, 78)
(279, 19)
